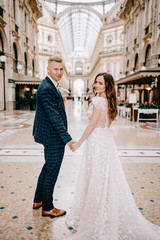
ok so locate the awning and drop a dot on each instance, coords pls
(140, 77)
(25, 82)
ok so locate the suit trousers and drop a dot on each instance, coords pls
(48, 176)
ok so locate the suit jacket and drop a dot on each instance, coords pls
(50, 123)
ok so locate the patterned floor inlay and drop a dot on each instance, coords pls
(151, 126)
(14, 126)
(20, 151)
(17, 185)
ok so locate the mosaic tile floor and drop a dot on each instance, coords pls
(21, 160)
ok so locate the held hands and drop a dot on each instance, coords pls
(73, 145)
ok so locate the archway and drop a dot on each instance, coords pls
(26, 63)
(15, 58)
(78, 68)
(148, 56)
(127, 67)
(78, 88)
(33, 68)
(136, 62)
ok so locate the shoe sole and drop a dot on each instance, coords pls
(37, 207)
(53, 216)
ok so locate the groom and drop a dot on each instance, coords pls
(50, 129)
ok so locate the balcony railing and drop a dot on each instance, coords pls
(111, 51)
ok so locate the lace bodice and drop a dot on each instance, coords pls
(101, 104)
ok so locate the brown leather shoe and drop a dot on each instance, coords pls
(37, 205)
(53, 213)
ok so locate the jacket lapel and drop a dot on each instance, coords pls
(56, 91)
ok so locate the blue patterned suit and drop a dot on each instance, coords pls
(50, 129)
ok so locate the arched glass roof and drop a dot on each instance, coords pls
(79, 22)
(79, 29)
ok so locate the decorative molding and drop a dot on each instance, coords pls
(149, 35)
(2, 22)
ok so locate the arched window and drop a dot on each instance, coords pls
(148, 11)
(136, 62)
(78, 87)
(127, 68)
(15, 58)
(78, 68)
(25, 61)
(148, 56)
(32, 67)
(1, 44)
(14, 9)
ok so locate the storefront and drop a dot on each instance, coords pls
(145, 83)
(25, 94)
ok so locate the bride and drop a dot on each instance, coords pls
(103, 206)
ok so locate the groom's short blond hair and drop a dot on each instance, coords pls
(55, 58)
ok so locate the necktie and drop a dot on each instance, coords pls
(58, 90)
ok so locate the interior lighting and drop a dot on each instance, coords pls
(29, 72)
(19, 67)
(2, 58)
(143, 68)
(148, 88)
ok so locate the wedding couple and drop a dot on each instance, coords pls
(103, 206)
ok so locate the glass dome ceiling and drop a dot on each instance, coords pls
(79, 29)
(79, 22)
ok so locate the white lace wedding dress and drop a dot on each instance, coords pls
(103, 206)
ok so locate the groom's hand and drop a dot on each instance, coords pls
(75, 146)
(70, 144)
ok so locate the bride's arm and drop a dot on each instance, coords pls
(91, 126)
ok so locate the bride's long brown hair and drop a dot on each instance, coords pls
(110, 94)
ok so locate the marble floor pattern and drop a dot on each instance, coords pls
(21, 160)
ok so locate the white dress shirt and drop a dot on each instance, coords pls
(53, 81)
(55, 84)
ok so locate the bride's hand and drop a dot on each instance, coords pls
(75, 146)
